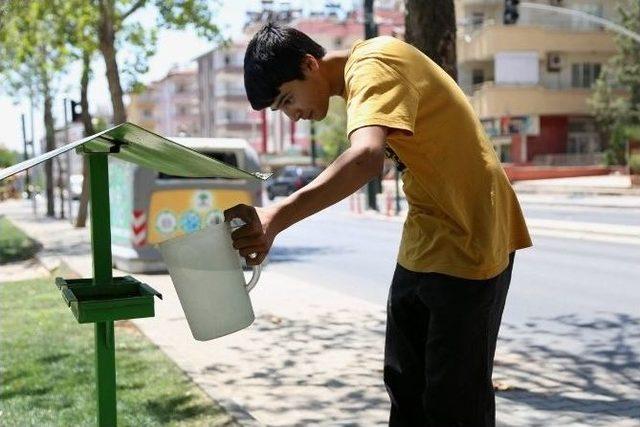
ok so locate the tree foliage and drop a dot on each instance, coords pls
(332, 130)
(33, 55)
(33, 48)
(615, 101)
(117, 32)
(7, 157)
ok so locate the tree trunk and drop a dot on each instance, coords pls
(107, 38)
(81, 219)
(50, 145)
(635, 103)
(431, 27)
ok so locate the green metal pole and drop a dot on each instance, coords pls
(101, 246)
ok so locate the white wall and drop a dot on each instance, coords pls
(520, 68)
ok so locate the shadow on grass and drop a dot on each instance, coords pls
(53, 358)
(24, 391)
(12, 250)
(175, 408)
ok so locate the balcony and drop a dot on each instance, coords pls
(491, 101)
(231, 93)
(483, 43)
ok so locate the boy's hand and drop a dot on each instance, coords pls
(256, 236)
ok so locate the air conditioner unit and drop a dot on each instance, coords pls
(554, 62)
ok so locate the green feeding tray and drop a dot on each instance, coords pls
(124, 298)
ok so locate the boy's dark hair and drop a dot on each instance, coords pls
(274, 56)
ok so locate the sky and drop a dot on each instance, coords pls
(174, 47)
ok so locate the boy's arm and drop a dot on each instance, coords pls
(360, 163)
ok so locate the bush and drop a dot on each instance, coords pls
(14, 244)
(634, 164)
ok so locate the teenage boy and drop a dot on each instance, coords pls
(464, 221)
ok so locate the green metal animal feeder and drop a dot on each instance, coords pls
(103, 298)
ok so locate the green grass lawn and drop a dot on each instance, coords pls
(47, 369)
(14, 244)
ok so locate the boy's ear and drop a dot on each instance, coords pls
(309, 64)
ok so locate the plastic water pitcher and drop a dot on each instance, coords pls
(206, 272)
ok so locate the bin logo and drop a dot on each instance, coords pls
(190, 222)
(202, 200)
(166, 222)
(214, 217)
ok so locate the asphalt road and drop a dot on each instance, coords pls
(557, 277)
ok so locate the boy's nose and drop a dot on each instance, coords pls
(293, 114)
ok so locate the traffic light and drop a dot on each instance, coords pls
(76, 111)
(511, 14)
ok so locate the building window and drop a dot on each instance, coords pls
(227, 59)
(477, 76)
(147, 114)
(585, 74)
(477, 19)
(337, 42)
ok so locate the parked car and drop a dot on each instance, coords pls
(290, 179)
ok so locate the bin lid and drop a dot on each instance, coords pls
(134, 144)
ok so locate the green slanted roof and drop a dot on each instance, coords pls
(134, 144)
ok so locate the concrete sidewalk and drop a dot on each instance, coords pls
(314, 356)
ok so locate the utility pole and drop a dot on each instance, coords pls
(68, 160)
(32, 141)
(370, 31)
(61, 186)
(26, 156)
(314, 152)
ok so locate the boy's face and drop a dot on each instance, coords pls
(306, 99)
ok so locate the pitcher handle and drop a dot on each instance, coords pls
(257, 269)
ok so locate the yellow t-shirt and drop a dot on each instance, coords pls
(464, 218)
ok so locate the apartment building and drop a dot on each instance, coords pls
(168, 106)
(225, 110)
(530, 82)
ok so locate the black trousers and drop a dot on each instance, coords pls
(440, 343)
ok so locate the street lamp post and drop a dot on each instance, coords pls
(26, 156)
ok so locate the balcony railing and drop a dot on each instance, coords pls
(233, 91)
(530, 18)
